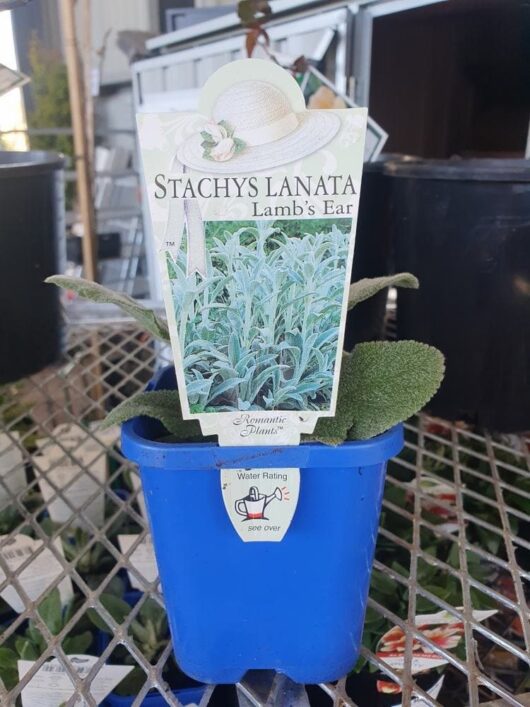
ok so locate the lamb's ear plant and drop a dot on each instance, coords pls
(381, 383)
(86, 289)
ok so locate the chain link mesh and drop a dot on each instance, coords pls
(460, 549)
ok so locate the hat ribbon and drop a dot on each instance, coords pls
(269, 133)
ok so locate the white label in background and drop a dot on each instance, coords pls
(445, 617)
(69, 435)
(142, 559)
(72, 436)
(38, 575)
(79, 491)
(12, 468)
(260, 502)
(51, 684)
(442, 628)
(107, 437)
(9, 78)
(433, 691)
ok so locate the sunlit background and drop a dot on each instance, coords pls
(12, 116)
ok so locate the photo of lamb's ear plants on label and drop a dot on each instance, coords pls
(253, 204)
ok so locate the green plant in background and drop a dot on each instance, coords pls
(31, 644)
(148, 629)
(51, 101)
(253, 15)
(10, 519)
(51, 104)
(260, 332)
(91, 559)
(15, 414)
(381, 382)
(438, 550)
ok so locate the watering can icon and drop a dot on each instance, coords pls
(253, 506)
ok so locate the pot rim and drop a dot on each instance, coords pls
(23, 163)
(476, 169)
(209, 455)
(147, 452)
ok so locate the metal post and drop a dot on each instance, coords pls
(362, 55)
(82, 159)
(87, 54)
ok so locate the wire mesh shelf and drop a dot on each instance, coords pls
(454, 538)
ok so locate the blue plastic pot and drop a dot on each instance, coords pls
(185, 696)
(296, 606)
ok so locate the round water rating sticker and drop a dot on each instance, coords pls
(260, 502)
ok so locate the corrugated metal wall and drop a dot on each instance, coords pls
(113, 17)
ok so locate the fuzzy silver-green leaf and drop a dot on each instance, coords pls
(391, 380)
(334, 430)
(163, 405)
(94, 292)
(370, 286)
(382, 383)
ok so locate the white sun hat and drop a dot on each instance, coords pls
(253, 128)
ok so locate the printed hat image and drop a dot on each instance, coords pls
(254, 127)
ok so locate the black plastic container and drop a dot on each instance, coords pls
(108, 244)
(31, 248)
(372, 256)
(463, 227)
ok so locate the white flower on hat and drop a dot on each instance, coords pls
(216, 132)
(224, 150)
(219, 143)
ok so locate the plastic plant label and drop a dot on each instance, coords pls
(9, 79)
(260, 502)
(68, 434)
(441, 628)
(108, 437)
(51, 685)
(253, 204)
(12, 471)
(38, 575)
(57, 473)
(142, 558)
(71, 436)
(433, 692)
(438, 499)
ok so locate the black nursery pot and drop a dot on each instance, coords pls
(463, 227)
(31, 243)
(372, 255)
